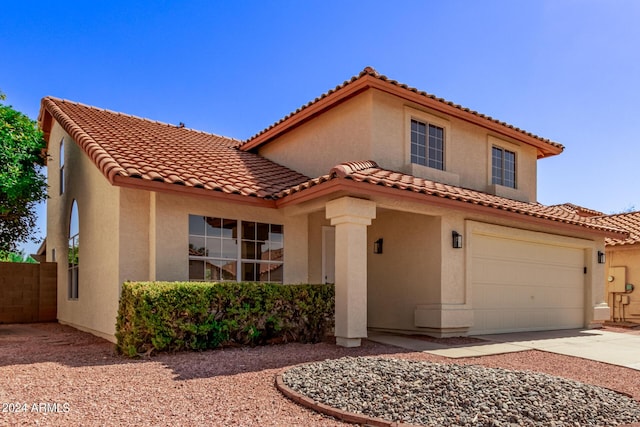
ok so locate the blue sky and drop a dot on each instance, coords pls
(567, 70)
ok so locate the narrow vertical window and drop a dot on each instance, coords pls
(503, 167)
(74, 252)
(61, 158)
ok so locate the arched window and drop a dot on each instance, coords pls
(61, 158)
(74, 250)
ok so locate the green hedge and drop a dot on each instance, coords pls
(174, 316)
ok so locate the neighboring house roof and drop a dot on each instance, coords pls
(125, 147)
(629, 222)
(370, 78)
(580, 210)
(368, 172)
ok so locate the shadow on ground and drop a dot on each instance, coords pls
(25, 344)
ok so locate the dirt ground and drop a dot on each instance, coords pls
(52, 374)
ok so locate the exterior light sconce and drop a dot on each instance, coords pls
(601, 257)
(456, 239)
(377, 246)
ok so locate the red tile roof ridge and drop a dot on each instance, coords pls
(577, 208)
(347, 168)
(132, 116)
(370, 71)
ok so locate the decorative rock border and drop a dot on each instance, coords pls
(349, 417)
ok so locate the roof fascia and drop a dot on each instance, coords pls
(364, 189)
(164, 187)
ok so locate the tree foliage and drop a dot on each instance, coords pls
(22, 184)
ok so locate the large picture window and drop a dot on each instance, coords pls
(427, 144)
(503, 167)
(223, 249)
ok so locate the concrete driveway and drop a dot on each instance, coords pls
(617, 348)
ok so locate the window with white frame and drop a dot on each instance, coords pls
(427, 144)
(222, 249)
(61, 158)
(503, 167)
(74, 252)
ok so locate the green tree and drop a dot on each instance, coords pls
(22, 184)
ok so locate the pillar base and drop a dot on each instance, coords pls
(348, 342)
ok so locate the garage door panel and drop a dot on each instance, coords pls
(522, 285)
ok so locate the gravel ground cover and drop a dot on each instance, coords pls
(433, 394)
(53, 375)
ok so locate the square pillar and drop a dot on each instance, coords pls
(351, 216)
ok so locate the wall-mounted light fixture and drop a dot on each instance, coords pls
(601, 257)
(377, 246)
(456, 239)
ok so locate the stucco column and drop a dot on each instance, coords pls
(351, 217)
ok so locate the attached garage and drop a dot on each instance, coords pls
(526, 284)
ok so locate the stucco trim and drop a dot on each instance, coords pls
(164, 187)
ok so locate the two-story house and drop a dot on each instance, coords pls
(423, 213)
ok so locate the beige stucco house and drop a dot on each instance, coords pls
(423, 213)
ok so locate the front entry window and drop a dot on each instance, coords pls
(222, 249)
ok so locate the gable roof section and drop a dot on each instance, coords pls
(368, 172)
(370, 78)
(629, 222)
(132, 151)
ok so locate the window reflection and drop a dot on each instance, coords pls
(216, 254)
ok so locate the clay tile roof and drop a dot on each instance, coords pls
(369, 172)
(132, 147)
(372, 73)
(580, 210)
(629, 222)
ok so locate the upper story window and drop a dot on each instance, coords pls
(427, 144)
(503, 167)
(223, 249)
(61, 158)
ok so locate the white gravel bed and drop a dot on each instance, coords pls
(50, 364)
(433, 394)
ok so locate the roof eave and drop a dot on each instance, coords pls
(364, 189)
(164, 187)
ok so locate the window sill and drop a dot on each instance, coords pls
(508, 193)
(432, 174)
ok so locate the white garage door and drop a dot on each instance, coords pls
(525, 286)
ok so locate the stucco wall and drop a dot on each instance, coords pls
(134, 235)
(341, 134)
(628, 257)
(407, 273)
(98, 207)
(316, 221)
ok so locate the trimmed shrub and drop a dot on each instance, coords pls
(175, 316)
